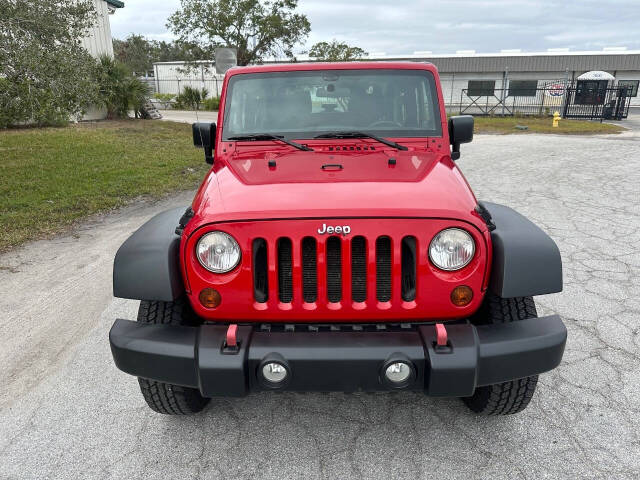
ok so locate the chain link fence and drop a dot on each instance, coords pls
(165, 91)
(577, 100)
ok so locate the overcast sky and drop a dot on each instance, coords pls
(405, 26)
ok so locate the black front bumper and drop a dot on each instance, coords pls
(338, 360)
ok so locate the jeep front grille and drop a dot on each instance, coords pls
(334, 269)
(324, 275)
(285, 270)
(359, 269)
(309, 270)
(260, 268)
(383, 269)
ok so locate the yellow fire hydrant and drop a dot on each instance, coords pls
(556, 119)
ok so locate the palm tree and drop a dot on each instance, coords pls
(119, 90)
(192, 97)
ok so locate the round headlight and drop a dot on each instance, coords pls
(218, 252)
(451, 249)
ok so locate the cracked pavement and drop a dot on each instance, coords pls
(67, 412)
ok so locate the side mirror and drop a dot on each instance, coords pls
(460, 131)
(204, 136)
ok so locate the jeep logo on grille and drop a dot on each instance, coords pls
(343, 229)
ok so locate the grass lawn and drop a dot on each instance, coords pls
(542, 125)
(51, 177)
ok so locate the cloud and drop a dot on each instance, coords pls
(143, 17)
(404, 26)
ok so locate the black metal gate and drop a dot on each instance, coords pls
(594, 100)
(536, 101)
(586, 99)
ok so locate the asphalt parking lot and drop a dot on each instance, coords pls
(189, 116)
(67, 412)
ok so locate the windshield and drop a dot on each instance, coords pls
(304, 104)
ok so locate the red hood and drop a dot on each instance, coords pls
(420, 184)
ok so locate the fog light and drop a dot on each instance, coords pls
(274, 372)
(461, 296)
(210, 298)
(398, 372)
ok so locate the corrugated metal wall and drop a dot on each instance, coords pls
(533, 63)
(98, 40)
(456, 71)
(173, 77)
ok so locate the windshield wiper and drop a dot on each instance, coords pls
(269, 136)
(390, 143)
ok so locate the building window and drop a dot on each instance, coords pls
(481, 88)
(632, 87)
(523, 88)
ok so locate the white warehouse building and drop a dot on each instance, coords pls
(171, 77)
(467, 74)
(98, 39)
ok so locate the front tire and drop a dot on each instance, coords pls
(165, 397)
(513, 396)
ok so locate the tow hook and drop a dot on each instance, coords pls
(442, 344)
(231, 344)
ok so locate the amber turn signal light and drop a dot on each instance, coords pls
(210, 298)
(461, 296)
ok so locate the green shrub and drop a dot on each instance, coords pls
(119, 91)
(190, 98)
(212, 104)
(164, 97)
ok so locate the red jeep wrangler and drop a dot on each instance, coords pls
(335, 246)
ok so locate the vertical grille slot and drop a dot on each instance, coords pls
(309, 270)
(409, 269)
(285, 280)
(359, 269)
(383, 269)
(334, 269)
(260, 269)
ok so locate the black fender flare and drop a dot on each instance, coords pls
(526, 261)
(147, 265)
